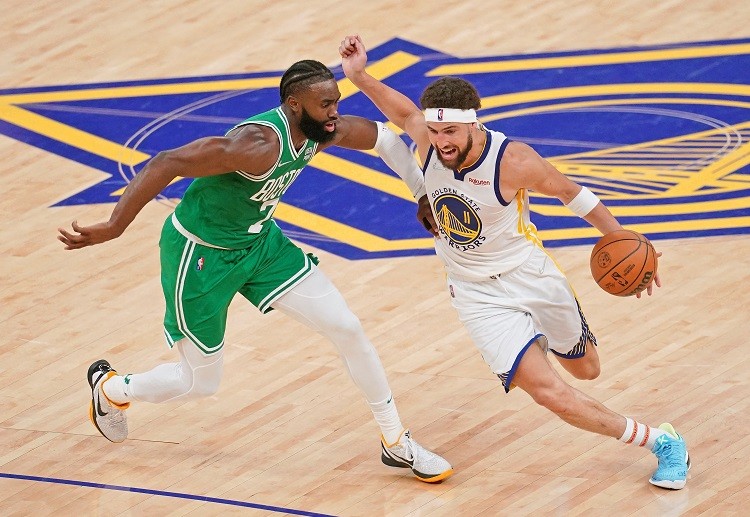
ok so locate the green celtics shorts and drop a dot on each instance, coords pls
(200, 281)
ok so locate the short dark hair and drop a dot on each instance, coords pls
(301, 75)
(450, 92)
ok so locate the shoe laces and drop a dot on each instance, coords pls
(669, 453)
(100, 372)
(409, 447)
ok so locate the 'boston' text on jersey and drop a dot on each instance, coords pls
(273, 188)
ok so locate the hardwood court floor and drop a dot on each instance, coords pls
(287, 428)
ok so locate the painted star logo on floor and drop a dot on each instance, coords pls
(665, 146)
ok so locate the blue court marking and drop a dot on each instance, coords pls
(162, 493)
(662, 136)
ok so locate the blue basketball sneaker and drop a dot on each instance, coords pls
(674, 462)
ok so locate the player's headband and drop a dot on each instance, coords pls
(450, 115)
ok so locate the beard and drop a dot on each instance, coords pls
(460, 158)
(314, 129)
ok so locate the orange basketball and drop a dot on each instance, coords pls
(623, 262)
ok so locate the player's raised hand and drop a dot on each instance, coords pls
(83, 236)
(353, 54)
(349, 45)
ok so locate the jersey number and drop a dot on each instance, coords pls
(268, 207)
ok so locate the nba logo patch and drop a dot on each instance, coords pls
(308, 153)
(440, 114)
(199, 264)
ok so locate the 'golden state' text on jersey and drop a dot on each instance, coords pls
(481, 234)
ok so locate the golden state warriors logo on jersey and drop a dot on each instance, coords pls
(458, 220)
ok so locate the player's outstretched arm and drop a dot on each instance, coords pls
(396, 106)
(251, 151)
(360, 133)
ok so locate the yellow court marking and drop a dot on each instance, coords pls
(328, 163)
(694, 207)
(381, 69)
(660, 227)
(672, 140)
(113, 151)
(652, 181)
(363, 175)
(149, 90)
(508, 99)
(352, 171)
(708, 176)
(610, 102)
(399, 61)
(614, 58)
(344, 233)
(70, 135)
(92, 143)
(732, 161)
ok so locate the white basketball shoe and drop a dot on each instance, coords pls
(407, 453)
(108, 418)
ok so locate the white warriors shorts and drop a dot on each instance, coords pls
(507, 313)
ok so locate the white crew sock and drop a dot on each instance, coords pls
(116, 389)
(386, 415)
(640, 434)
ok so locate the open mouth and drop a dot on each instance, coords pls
(448, 154)
(330, 126)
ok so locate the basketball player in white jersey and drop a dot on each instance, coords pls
(510, 295)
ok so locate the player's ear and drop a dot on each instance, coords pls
(293, 103)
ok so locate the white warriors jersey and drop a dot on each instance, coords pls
(481, 234)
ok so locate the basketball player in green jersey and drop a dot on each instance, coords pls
(222, 240)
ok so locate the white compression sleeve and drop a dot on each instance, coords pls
(396, 155)
(195, 376)
(317, 303)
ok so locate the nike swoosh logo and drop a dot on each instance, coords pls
(285, 163)
(410, 462)
(399, 458)
(99, 407)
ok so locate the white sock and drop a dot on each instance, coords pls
(116, 389)
(386, 415)
(640, 434)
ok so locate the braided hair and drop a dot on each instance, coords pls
(301, 75)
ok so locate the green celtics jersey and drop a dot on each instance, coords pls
(233, 210)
